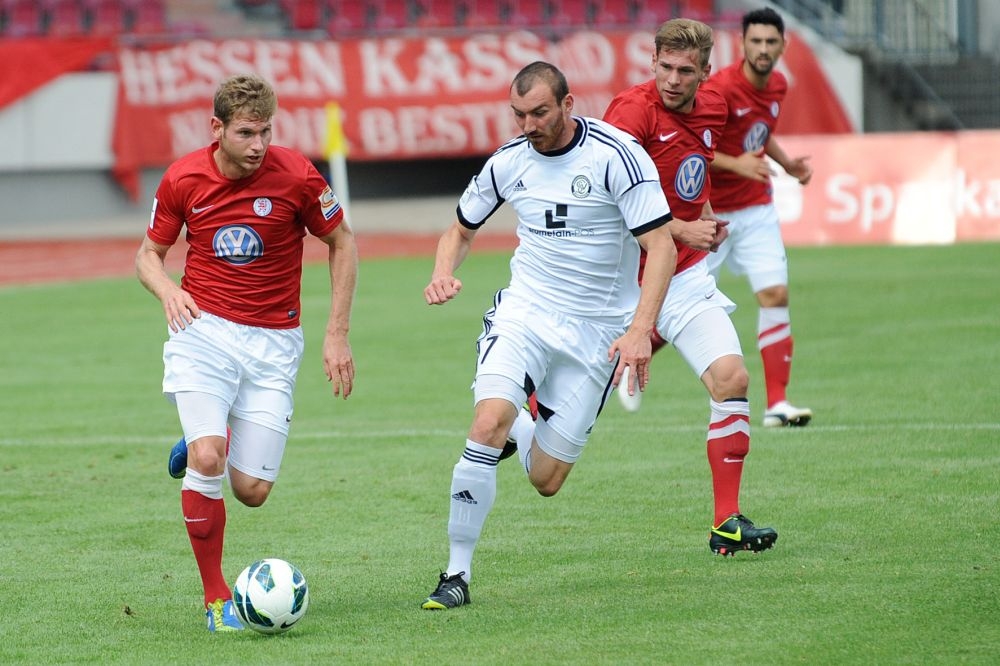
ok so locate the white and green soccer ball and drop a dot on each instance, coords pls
(271, 596)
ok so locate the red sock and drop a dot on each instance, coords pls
(777, 360)
(728, 445)
(205, 519)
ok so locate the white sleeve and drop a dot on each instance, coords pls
(635, 183)
(480, 198)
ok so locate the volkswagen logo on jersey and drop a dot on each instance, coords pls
(581, 187)
(690, 178)
(756, 137)
(238, 244)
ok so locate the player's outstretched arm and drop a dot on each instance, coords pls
(796, 167)
(178, 305)
(338, 360)
(452, 249)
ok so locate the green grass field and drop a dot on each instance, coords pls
(885, 504)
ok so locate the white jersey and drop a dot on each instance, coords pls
(578, 211)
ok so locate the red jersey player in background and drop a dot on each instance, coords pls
(679, 125)
(235, 342)
(743, 195)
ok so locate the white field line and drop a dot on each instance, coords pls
(435, 433)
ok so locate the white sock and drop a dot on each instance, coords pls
(209, 486)
(523, 432)
(473, 491)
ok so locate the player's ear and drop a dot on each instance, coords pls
(568, 103)
(217, 127)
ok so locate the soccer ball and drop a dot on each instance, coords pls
(270, 596)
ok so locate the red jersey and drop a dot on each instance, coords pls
(682, 146)
(753, 116)
(244, 260)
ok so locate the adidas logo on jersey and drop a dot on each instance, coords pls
(464, 496)
(519, 186)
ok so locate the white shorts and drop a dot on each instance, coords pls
(754, 247)
(251, 369)
(695, 319)
(253, 449)
(526, 348)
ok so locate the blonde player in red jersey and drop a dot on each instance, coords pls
(235, 342)
(743, 194)
(679, 125)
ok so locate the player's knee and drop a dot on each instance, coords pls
(775, 296)
(547, 479)
(489, 426)
(206, 459)
(252, 495)
(728, 378)
(547, 487)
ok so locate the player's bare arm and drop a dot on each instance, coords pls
(452, 249)
(700, 234)
(178, 305)
(721, 230)
(797, 167)
(634, 346)
(751, 165)
(338, 360)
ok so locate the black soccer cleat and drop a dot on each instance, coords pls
(509, 449)
(739, 533)
(451, 592)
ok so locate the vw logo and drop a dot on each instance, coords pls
(690, 178)
(756, 137)
(238, 244)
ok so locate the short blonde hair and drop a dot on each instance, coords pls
(682, 34)
(245, 95)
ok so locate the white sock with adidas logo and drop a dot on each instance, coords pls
(473, 491)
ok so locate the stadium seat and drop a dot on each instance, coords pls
(348, 17)
(479, 13)
(700, 10)
(526, 13)
(22, 18)
(651, 13)
(148, 17)
(574, 13)
(303, 15)
(436, 13)
(612, 13)
(64, 18)
(392, 14)
(106, 17)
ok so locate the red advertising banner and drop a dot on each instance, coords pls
(403, 97)
(914, 188)
(28, 64)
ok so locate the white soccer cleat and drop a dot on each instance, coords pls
(630, 403)
(783, 414)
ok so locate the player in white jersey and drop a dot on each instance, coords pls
(572, 317)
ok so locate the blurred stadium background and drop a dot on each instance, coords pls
(916, 84)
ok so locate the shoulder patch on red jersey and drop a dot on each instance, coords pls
(328, 202)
